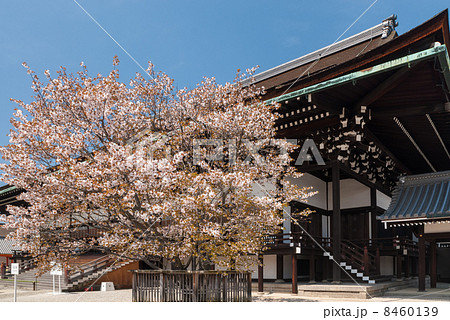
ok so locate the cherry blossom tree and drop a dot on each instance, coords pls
(155, 174)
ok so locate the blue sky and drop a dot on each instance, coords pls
(186, 39)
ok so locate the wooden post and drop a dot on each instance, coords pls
(422, 262)
(407, 267)
(378, 261)
(366, 261)
(260, 275)
(134, 288)
(2, 271)
(249, 287)
(399, 266)
(433, 265)
(325, 264)
(312, 269)
(195, 291)
(414, 263)
(280, 267)
(161, 288)
(225, 289)
(294, 274)
(66, 276)
(373, 210)
(336, 222)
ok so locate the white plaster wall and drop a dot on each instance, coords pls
(270, 266)
(307, 180)
(353, 194)
(287, 267)
(386, 265)
(437, 227)
(383, 200)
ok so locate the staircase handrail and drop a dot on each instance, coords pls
(89, 268)
(358, 256)
(360, 248)
(27, 264)
(382, 243)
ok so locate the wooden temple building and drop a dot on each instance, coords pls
(374, 112)
(376, 105)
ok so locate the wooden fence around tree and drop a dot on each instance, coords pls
(191, 286)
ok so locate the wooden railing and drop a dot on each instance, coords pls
(410, 246)
(281, 239)
(359, 257)
(297, 239)
(191, 286)
(396, 243)
(362, 255)
(27, 264)
(88, 268)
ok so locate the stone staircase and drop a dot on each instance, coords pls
(87, 279)
(354, 261)
(28, 279)
(85, 269)
(353, 271)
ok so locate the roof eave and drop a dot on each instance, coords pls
(439, 51)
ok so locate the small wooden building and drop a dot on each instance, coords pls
(422, 203)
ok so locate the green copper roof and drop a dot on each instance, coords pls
(439, 51)
(7, 190)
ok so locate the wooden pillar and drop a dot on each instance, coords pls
(378, 261)
(422, 261)
(407, 267)
(294, 273)
(66, 276)
(260, 274)
(414, 263)
(399, 266)
(325, 268)
(373, 210)
(433, 265)
(194, 263)
(162, 296)
(312, 269)
(366, 261)
(280, 267)
(336, 222)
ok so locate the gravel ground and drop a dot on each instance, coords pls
(287, 297)
(7, 295)
(23, 295)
